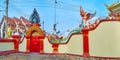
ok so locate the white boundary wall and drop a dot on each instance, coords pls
(6, 46)
(105, 40)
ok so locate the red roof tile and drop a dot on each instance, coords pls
(25, 21)
(10, 21)
(18, 21)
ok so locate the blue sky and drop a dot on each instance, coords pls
(67, 12)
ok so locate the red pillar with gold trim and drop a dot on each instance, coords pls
(55, 47)
(16, 44)
(42, 44)
(85, 42)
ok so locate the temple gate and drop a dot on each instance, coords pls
(35, 35)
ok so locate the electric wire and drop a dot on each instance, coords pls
(60, 5)
(16, 6)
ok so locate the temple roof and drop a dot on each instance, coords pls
(14, 20)
(27, 22)
(18, 21)
(115, 7)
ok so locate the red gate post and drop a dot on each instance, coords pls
(42, 44)
(16, 44)
(55, 47)
(85, 42)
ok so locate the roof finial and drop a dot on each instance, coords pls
(106, 5)
(34, 18)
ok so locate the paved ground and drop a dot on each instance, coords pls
(35, 56)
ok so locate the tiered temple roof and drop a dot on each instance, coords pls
(13, 22)
(115, 7)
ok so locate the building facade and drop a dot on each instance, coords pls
(14, 25)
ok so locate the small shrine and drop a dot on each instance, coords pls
(35, 35)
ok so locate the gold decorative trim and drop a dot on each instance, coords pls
(85, 35)
(35, 28)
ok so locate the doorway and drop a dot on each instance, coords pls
(35, 44)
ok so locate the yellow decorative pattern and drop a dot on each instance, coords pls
(35, 27)
(85, 35)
